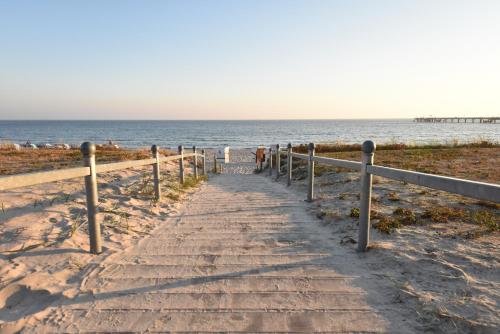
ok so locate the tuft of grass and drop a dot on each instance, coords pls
(405, 216)
(354, 212)
(486, 219)
(386, 224)
(442, 214)
(190, 181)
(393, 197)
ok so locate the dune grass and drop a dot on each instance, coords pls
(27, 160)
(474, 161)
(343, 147)
(486, 220)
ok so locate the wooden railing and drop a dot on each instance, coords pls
(473, 189)
(90, 170)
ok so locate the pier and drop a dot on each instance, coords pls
(456, 119)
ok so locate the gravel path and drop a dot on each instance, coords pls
(242, 255)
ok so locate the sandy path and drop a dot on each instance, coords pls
(242, 255)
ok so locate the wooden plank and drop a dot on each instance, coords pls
(300, 156)
(338, 163)
(124, 165)
(478, 190)
(170, 158)
(310, 172)
(31, 179)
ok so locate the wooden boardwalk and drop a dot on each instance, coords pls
(242, 255)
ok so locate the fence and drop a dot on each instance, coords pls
(90, 170)
(473, 189)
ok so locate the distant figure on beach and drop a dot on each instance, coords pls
(30, 145)
(113, 145)
(260, 157)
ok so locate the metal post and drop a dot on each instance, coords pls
(88, 151)
(278, 161)
(156, 172)
(289, 164)
(365, 197)
(270, 160)
(195, 163)
(181, 164)
(310, 173)
(204, 165)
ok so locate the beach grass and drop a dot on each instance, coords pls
(474, 161)
(14, 161)
(343, 147)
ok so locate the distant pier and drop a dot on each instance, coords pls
(456, 119)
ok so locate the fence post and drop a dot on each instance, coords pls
(215, 164)
(270, 160)
(195, 163)
(88, 151)
(278, 161)
(181, 164)
(365, 197)
(156, 172)
(204, 165)
(289, 164)
(310, 173)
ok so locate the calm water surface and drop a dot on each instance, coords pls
(241, 133)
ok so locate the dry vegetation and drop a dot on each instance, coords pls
(473, 161)
(392, 209)
(14, 161)
(435, 252)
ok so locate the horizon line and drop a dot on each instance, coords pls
(216, 119)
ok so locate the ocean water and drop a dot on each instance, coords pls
(242, 134)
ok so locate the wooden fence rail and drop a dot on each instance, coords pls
(473, 189)
(90, 171)
(31, 179)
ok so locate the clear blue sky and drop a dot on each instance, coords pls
(248, 59)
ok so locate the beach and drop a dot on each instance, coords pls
(434, 259)
(44, 252)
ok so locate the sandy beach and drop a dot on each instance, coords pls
(437, 274)
(44, 238)
(349, 180)
(443, 272)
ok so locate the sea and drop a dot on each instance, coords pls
(243, 134)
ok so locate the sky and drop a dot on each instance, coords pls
(241, 59)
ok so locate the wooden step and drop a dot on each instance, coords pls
(108, 321)
(180, 271)
(214, 284)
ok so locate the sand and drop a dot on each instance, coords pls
(420, 278)
(242, 255)
(44, 239)
(445, 277)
